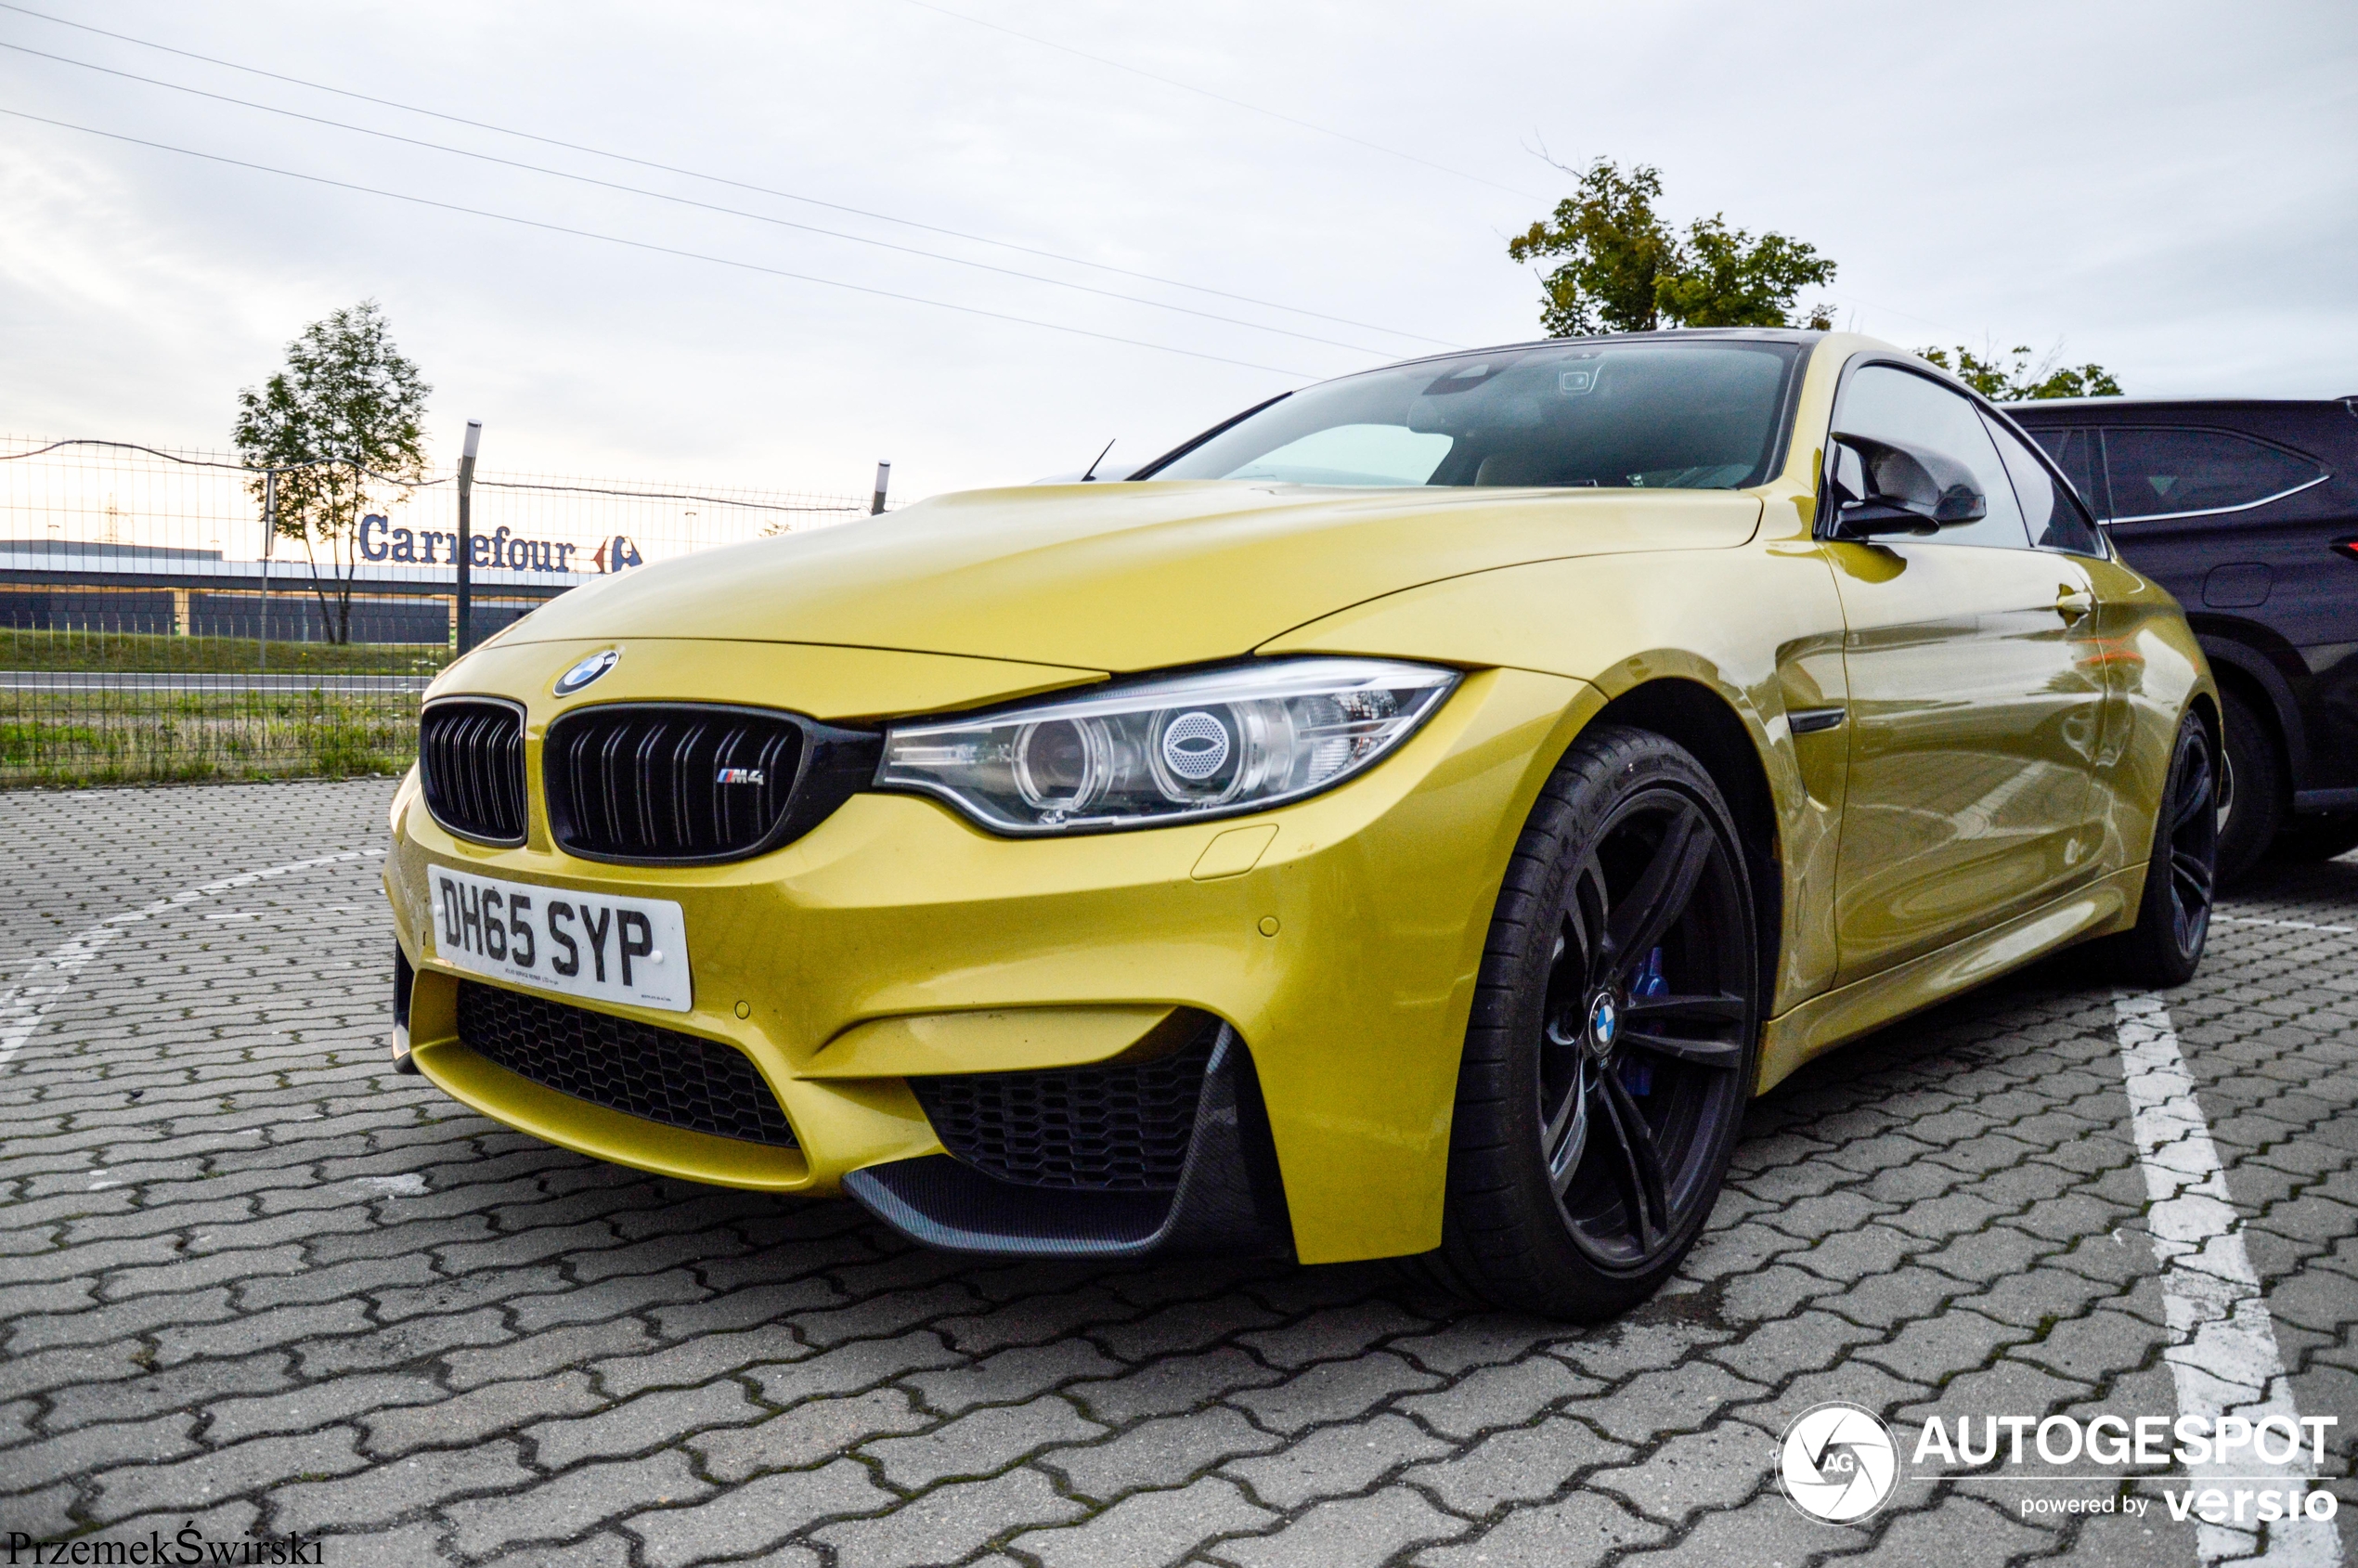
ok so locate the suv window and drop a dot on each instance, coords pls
(2158, 473)
(2054, 518)
(1889, 404)
(2074, 451)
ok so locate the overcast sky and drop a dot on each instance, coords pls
(2169, 189)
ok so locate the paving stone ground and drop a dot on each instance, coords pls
(252, 1281)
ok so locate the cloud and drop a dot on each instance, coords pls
(2158, 186)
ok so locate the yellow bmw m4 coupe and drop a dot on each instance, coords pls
(1410, 819)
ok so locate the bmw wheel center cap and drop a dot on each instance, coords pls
(1604, 1022)
(589, 670)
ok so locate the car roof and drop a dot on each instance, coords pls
(1682, 334)
(2169, 405)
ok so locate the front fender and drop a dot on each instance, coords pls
(1759, 625)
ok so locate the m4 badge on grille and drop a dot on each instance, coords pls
(740, 776)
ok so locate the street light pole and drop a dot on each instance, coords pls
(269, 536)
(884, 478)
(466, 536)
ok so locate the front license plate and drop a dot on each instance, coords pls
(577, 944)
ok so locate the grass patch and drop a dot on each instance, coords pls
(21, 744)
(76, 738)
(148, 654)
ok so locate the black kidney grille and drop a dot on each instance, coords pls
(471, 761)
(672, 782)
(664, 1076)
(1086, 1129)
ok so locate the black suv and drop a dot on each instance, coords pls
(2248, 512)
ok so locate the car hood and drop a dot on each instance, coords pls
(1120, 577)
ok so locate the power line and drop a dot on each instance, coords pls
(422, 483)
(1216, 97)
(649, 245)
(691, 202)
(723, 179)
(354, 463)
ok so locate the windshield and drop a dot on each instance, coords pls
(1655, 413)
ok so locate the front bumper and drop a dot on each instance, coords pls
(1338, 938)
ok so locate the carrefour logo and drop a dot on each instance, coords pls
(380, 540)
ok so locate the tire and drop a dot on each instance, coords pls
(1613, 1041)
(2309, 839)
(2174, 917)
(2251, 803)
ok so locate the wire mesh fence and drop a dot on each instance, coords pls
(152, 628)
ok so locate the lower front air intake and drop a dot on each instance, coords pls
(1173, 1155)
(660, 1074)
(1120, 1128)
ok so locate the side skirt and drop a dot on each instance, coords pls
(1836, 1017)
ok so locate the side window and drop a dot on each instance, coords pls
(2074, 451)
(2158, 473)
(2049, 510)
(1890, 403)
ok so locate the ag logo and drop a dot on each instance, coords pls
(1837, 1463)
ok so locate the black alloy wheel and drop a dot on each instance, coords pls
(2193, 817)
(1611, 1050)
(1621, 1029)
(2173, 917)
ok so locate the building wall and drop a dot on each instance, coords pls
(296, 615)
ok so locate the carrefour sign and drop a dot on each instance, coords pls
(428, 547)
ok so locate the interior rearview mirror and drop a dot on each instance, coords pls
(1890, 488)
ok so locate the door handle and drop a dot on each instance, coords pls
(2073, 603)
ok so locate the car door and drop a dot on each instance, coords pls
(1975, 703)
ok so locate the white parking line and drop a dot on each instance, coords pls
(24, 1006)
(2225, 1360)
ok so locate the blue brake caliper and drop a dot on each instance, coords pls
(1637, 1072)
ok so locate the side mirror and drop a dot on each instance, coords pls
(1902, 490)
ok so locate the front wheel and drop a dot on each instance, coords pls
(1611, 1047)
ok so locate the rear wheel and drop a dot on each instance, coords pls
(1612, 1048)
(2251, 787)
(2173, 918)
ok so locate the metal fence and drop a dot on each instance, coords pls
(149, 631)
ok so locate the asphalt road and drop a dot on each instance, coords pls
(252, 1282)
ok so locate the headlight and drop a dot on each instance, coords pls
(1168, 748)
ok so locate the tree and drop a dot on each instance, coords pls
(1627, 271)
(2021, 382)
(1619, 250)
(341, 421)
